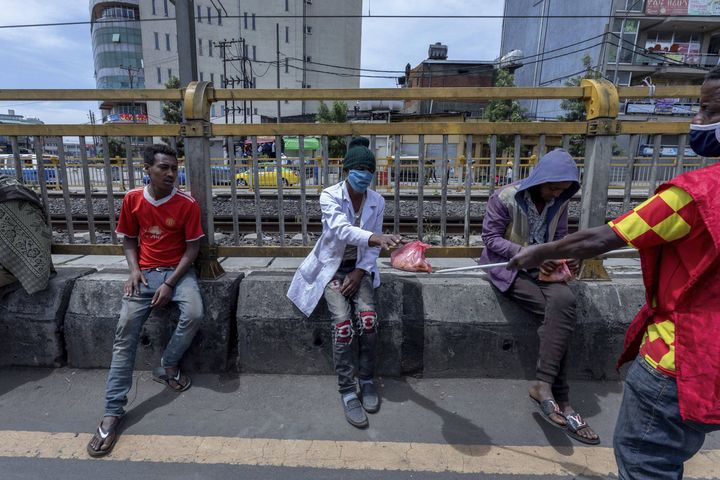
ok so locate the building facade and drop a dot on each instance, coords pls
(117, 55)
(314, 52)
(631, 42)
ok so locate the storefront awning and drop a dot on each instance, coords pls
(293, 143)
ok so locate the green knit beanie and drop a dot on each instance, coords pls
(359, 155)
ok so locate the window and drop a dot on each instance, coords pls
(222, 80)
(212, 78)
(159, 76)
(212, 111)
(157, 40)
(202, 77)
(255, 111)
(200, 46)
(287, 65)
(245, 17)
(165, 7)
(210, 45)
(153, 7)
(254, 56)
(219, 18)
(167, 42)
(222, 110)
(199, 14)
(209, 15)
(287, 34)
(308, 29)
(253, 21)
(170, 73)
(287, 5)
(116, 38)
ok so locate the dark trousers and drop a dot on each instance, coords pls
(554, 305)
(347, 324)
(651, 439)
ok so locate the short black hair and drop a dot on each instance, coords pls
(713, 74)
(152, 150)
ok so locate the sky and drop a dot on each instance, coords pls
(61, 56)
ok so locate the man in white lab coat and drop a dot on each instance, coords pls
(342, 268)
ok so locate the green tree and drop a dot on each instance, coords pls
(504, 110)
(336, 114)
(116, 148)
(172, 113)
(575, 109)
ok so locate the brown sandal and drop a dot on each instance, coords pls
(102, 436)
(160, 376)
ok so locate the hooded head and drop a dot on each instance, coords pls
(554, 176)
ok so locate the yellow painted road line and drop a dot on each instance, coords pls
(328, 454)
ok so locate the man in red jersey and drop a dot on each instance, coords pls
(672, 390)
(161, 228)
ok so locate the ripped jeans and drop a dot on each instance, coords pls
(346, 325)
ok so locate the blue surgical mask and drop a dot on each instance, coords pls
(359, 180)
(704, 139)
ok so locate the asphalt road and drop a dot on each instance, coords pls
(291, 427)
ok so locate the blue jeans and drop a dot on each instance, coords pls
(133, 314)
(651, 439)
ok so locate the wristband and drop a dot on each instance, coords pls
(171, 286)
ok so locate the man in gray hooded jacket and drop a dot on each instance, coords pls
(529, 212)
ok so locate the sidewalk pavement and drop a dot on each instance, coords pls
(292, 427)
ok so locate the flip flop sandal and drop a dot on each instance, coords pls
(103, 435)
(575, 423)
(546, 408)
(160, 376)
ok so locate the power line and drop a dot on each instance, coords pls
(394, 17)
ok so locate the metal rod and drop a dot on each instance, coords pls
(233, 188)
(541, 146)
(64, 185)
(325, 161)
(88, 189)
(280, 186)
(680, 167)
(373, 183)
(256, 186)
(630, 171)
(421, 186)
(396, 197)
(516, 163)
(16, 157)
(445, 171)
(41, 175)
(566, 142)
(493, 163)
(472, 267)
(303, 206)
(653, 169)
(468, 186)
(109, 188)
(130, 167)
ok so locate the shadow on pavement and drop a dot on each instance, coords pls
(14, 377)
(459, 432)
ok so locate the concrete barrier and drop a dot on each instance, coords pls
(275, 337)
(94, 309)
(31, 326)
(445, 326)
(472, 330)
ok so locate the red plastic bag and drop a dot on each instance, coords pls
(411, 257)
(561, 273)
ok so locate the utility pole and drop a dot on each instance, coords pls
(277, 57)
(185, 22)
(130, 69)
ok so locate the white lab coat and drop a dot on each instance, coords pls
(319, 267)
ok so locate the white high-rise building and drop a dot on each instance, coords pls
(330, 46)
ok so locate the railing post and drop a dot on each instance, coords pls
(601, 106)
(196, 129)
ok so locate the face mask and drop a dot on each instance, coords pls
(360, 180)
(704, 139)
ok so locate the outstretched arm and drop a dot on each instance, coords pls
(583, 244)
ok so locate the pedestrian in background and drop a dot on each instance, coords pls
(342, 268)
(161, 232)
(671, 398)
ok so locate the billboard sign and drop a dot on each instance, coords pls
(682, 7)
